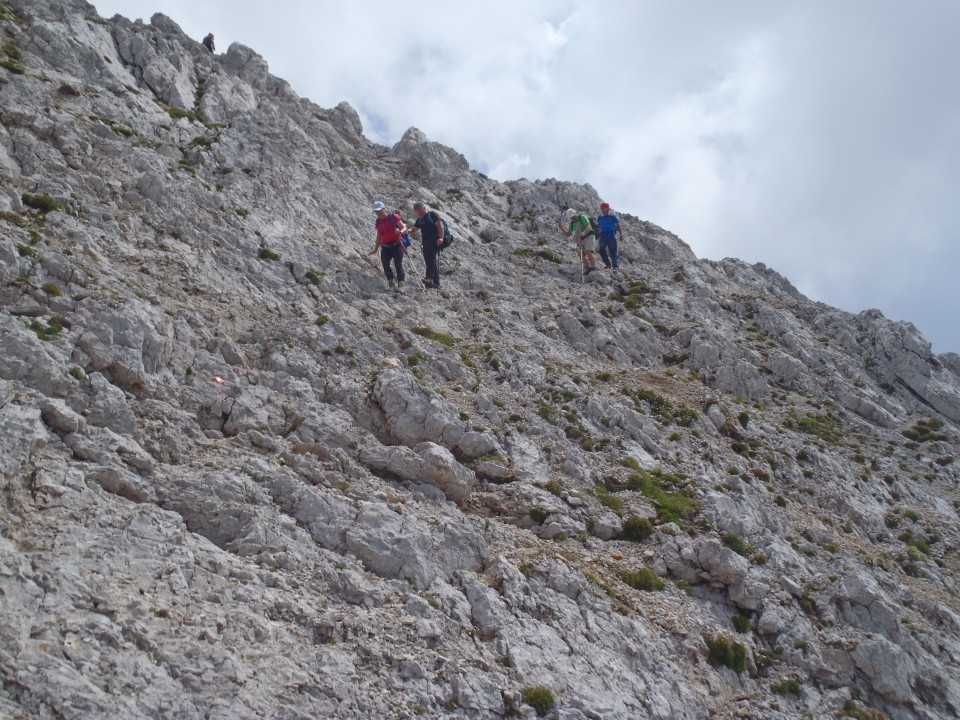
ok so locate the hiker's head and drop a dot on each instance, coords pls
(420, 209)
(379, 207)
(570, 214)
(604, 208)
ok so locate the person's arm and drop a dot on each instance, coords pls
(439, 223)
(619, 229)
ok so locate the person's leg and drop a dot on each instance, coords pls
(385, 255)
(589, 245)
(614, 255)
(603, 252)
(430, 261)
(398, 261)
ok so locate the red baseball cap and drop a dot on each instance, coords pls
(604, 206)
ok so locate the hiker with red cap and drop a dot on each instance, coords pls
(609, 230)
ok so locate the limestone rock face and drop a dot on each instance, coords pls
(242, 478)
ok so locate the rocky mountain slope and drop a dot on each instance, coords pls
(241, 479)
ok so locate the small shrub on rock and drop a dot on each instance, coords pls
(636, 529)
(724, 652)
(539, 697)
(642, 579)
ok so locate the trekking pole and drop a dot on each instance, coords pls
(413, 265)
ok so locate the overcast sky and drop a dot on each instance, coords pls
(821, 138)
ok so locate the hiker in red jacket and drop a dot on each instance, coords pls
(390, 230)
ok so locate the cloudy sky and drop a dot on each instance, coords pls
(821, 138)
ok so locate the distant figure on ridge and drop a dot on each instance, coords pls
(208, 43)
(609, 229)
(579, 226)
(390, 231)
(432, 238)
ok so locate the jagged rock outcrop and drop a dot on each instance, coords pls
(241, 479)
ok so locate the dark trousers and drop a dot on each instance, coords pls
(609, 245)
(393, 251)
(430, 254)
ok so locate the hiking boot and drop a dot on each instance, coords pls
(399, 287)
(391, 285)
(427, 283)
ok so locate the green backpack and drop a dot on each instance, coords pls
(594, 226)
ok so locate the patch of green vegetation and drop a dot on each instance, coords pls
(741, 623)
(439, 337)
(723, 652)
(538, 514)
(852, 710)
(735, 543)
(178, 113)
(671, 494)
(608, 499)
(267, 254)
(825, 426)
(662, 408)
(553, 487)
(25, 250)
(76, 373)
(633, 298)
(13, 66)
(636, 529)
(549, 256)
(789, 686)
(42, 203)
(523, 252)
(908, 539)
(643, 579)
(925, 431)
(11, 51)
(313, 276)
(203, 141)
(121, 130)
(48, 331)
(539, 697)
(51, 288)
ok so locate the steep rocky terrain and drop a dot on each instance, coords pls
(241, 479)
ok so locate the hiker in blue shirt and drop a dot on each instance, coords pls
(432, 241)
(609, 230)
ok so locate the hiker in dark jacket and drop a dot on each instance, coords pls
(208, 42)
(390, 230)
(432, 241)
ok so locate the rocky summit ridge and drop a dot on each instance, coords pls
(241, 479)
